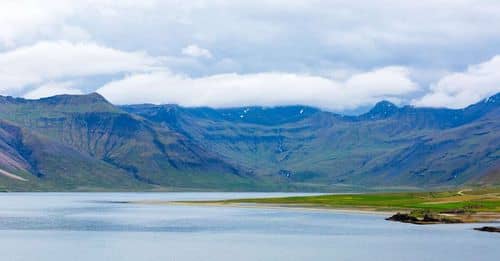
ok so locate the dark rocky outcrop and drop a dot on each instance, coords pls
(424, 219)
(488, 229)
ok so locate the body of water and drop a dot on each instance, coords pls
(86, 226)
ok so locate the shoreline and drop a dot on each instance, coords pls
(425, 208)
(367, 211)
(480, 217)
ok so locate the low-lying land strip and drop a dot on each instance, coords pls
(412, 207)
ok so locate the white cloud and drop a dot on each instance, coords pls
(21, 18)
(196, 51)
(310, 36)
(457, 90)
(266, 89)
(51, 89)
(25, 21)
(49, 61)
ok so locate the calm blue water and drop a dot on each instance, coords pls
(82, 226)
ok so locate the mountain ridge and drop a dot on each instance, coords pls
(296, 147)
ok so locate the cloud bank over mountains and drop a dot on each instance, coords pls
(265, 89)
(239, 53)
(460, 89)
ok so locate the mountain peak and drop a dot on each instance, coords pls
(92, 102)
(381, 110)
(384, 104)
(75, 99)
(493, 99)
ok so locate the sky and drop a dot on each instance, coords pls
(336, 55)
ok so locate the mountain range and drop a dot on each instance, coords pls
(85, 143)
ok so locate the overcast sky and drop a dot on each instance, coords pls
(337, 55)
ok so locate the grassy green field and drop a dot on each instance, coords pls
(485, 200)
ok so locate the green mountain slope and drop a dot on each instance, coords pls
(47, 165)
(151, 155)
